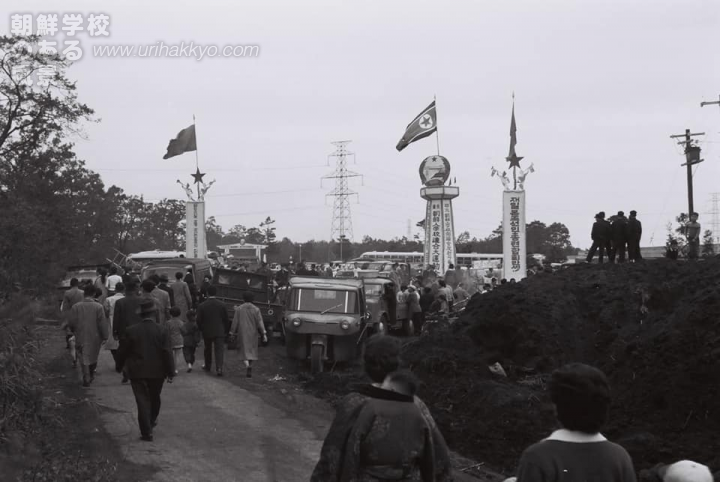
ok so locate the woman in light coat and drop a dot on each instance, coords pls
(247, 324)
(181, 295)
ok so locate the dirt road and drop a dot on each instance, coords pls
(210, 429)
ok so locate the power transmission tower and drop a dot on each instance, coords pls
(715, 217)
(341, 227)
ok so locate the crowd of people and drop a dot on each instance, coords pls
(151, 328)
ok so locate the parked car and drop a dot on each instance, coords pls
(325, 320)
(232, 284)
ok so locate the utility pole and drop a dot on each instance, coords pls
(717, 102)
(692, 157)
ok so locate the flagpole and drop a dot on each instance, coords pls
(437, 131)
(197, 161)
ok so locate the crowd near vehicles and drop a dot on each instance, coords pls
(326, 320)
(232, 284)
(377, 293)
(84, 273)
(198, 267)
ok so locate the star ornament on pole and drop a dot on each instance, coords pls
(198, 176)
(514, 160)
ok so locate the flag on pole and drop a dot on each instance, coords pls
(421, 126)
(512, 157)
(183, 142)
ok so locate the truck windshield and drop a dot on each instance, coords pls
(328, 301)
(373, 290)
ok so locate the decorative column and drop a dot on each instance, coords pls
(195, 239)
(439, 221)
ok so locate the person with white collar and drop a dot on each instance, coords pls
(577, 451)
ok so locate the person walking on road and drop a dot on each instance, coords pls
(181, 295)
(100, 283)
(174, 327)
(112, 342)
(247, 324)
(146, 355)
(89, 325)
(126, 314)
(634, 234)
(381, 431)
(601, 234)
(70, 298)
(113, 280)
(162, 284)
(162, 298)
(191, 339)
(213, 321)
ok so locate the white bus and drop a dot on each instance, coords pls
(465, 260)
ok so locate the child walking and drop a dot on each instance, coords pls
(191, 336)
(174, 326)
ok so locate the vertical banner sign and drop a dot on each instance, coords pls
(448, 235)
(428, 236)
(436, 253)
(195, 230)
(514, 240)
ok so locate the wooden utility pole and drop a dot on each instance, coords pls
(692, 157)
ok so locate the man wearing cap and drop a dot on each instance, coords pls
(619, 237)
(600, 234)
(634, 233)
(146, 355)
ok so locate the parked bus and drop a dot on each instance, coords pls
(465, 260)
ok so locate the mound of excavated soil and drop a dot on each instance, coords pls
(663, 365)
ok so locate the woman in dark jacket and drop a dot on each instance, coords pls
(383, 433)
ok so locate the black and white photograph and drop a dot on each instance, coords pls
(360, 241)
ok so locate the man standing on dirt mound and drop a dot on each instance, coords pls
(619, 237)
(601, 234)
(634, 233)
(692, 232)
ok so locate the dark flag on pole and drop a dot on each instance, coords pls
(422, 126)
(512, 157)
(184, 142)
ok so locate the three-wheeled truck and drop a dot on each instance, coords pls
(231, 284)
(326, 320)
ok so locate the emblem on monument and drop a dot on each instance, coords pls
(434, 171)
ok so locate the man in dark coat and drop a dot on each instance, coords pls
(619, 237)
(126, 314)
(634, 233)
(214, 322)
(601, 234)
(147, 357)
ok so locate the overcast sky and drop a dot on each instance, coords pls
(600, 86)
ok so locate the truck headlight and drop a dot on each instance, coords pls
(296, 322)
(271, 312)
(345, 325)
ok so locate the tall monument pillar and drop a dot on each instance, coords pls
(195, 239)
(439, 220)
(513, 226)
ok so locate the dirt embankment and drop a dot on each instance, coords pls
(663, 360)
